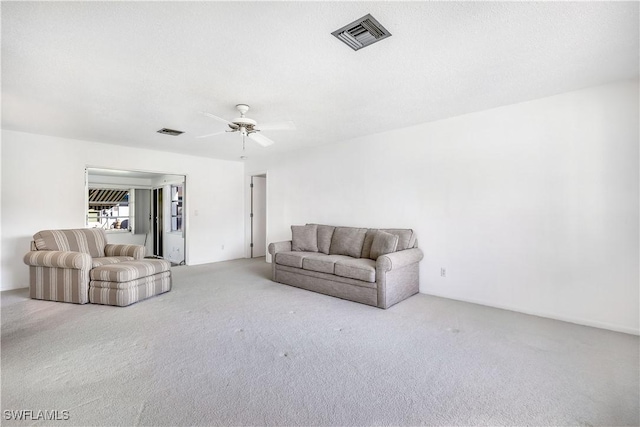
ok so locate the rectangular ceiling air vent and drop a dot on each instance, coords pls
(362, 32)
(171, 132)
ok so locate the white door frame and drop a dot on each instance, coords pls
(247, 205)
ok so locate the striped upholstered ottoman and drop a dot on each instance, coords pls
(127, 282)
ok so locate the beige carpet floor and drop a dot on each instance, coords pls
(229, 347)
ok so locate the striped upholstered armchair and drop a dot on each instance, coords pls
(60, 262)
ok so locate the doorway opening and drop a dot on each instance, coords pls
(258, 216)
(149, 213)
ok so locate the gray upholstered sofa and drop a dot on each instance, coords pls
(79, 266)
(378, 267)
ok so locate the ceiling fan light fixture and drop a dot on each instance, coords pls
(247, 127)
(244, 121)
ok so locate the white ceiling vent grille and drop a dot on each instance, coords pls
(362, 32)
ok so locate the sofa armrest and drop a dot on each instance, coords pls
(135, 251)
(399, 259)
(398, 276)
(58, 259)
(276, 247)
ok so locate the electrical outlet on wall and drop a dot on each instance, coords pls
(443, 272)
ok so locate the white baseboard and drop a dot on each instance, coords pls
(578, 321)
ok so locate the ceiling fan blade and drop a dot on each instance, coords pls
(260, 139)
(288, 125)
(211, 134)
(213, 116)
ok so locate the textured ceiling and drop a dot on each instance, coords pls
(116, 72)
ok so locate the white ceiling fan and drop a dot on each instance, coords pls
(249, 127)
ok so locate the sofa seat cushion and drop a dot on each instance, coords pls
(98, 262)
(356, 268)
(292, 258)
(322, 263)
(126, 271)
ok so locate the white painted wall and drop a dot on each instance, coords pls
(531, 207)
(43, 188)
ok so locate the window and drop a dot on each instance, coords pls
(176, 208)
(109, 209)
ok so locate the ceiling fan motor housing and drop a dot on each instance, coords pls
(246, 126)
(242, 121)
(243, 108)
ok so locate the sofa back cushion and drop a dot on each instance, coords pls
(347, 241)
(383, 243)
(406, 239)
(304, 238)
(325, 233)
(368, 241)
(86, 240)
